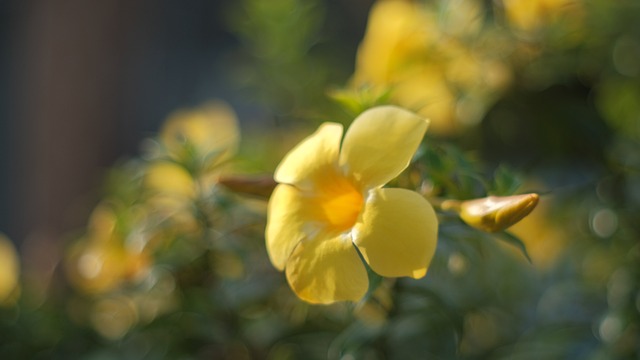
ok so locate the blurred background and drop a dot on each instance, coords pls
(83, 84)
(523, 96)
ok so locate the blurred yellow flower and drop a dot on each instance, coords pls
(398, 33)
(330, 198)
(532, 16)
(171, 192)
(208, 135)
(424, 56)
(9, 271)
(95, 267)
(112, 317)
(170, 179)
(101, 261)
(195, 143)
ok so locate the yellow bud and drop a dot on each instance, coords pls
(496, 213)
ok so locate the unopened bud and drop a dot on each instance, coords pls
(496, 213)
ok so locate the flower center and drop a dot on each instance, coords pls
(341, 205)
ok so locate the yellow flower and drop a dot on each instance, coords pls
(101, 261)
(531, 16)
(419, 54)
(169, 179)
(208, 134)
(95, 267)
(171, 194)
(397, 36)
(330, 198)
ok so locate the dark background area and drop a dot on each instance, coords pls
(82, 83)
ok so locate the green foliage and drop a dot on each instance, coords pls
(505, 182)
(514, 240)
(354, 102)
(284, 69)
(453, 173)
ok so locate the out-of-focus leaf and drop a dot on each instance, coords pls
(505, 182)
(453, 173)
(357, 101)
(515, 241)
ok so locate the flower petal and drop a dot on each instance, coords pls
(315, 155)
(285, 222)
(380, 143)
(397, 233)
(327, 269)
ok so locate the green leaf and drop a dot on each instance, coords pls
(505, 182)
(515, 241)
(356, 101)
